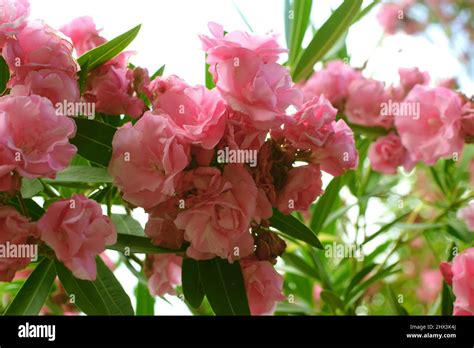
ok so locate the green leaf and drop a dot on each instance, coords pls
(139, 245)
(109, 50)
(326, 37)
(126, 224)
(300, 264)
(291, 226)
(396, 306)
(30, 187)
(359, 277)
(85, 293)
(223, 285)
(209, 79)
(386, 227)
(94, 140)
(299, 25)
(104, 296)
(447, 300)
(4, 75)
(82, 75)
(324, 206)
(287, 23)
(34, 291)
(363, 12)
(82, 174)
(145, 302)
(35, 212)
(332, 300)
(159, 72)
(192, 285)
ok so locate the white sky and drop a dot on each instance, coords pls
(169, 36)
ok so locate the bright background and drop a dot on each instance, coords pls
(169, 35)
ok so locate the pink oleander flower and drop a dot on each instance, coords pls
(339, 153)
(8, 181)
(161, 228)
(467, 215)
(430, 287)
(363, 106)
(164, 273)
(83, 33)
(301, 188)
(77, 232)
(263, 284)
(197, 114)
(36, 136)
(55, 85)
(461, 275)
(219, 209)
(333, 82)
(410, 77)
(241, 134)
(311, 127)
(147, 160)
(13, 16)
(391, 15)
(317, 290)
(111, 88)
(248, 78)
(436, 132)
(38, 47)
(447, 272)
(388, 153)
(15, 229)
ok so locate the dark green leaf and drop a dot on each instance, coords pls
(35, 212)
(326, 37)
(223, 285)
(192, 286)
(141, 245)
(324, 205)
(396, 306)
(104, 296)
(291, 226)
(34, 291)
(447, 300)
(109, 50)
(94, 140)
(4, 75)
(332, 300)
(359, 277)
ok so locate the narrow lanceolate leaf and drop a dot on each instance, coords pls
(145, 302)
(94, 140)
(291, 226)
(84, 294)
(326, 37)
(104, 296)
(396, 306)
(332, 300)
(288, 14)
(223, 285)
(140, 245)
(447, 300)
(82, 174)
(126, 224)
(299, 21)
(192, 285)
(359, 277)
(103, 53)
(325, 204)
(209, 79)
(35, 212)
(159, 72)
(34, 291)
(4, 75)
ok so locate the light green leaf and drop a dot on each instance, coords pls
(126, 224)
(326, 37)
(145, 302)
(299, 25)
(30, 187)
(82, 174)
(109, 50)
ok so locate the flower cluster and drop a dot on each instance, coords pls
(209, 165)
